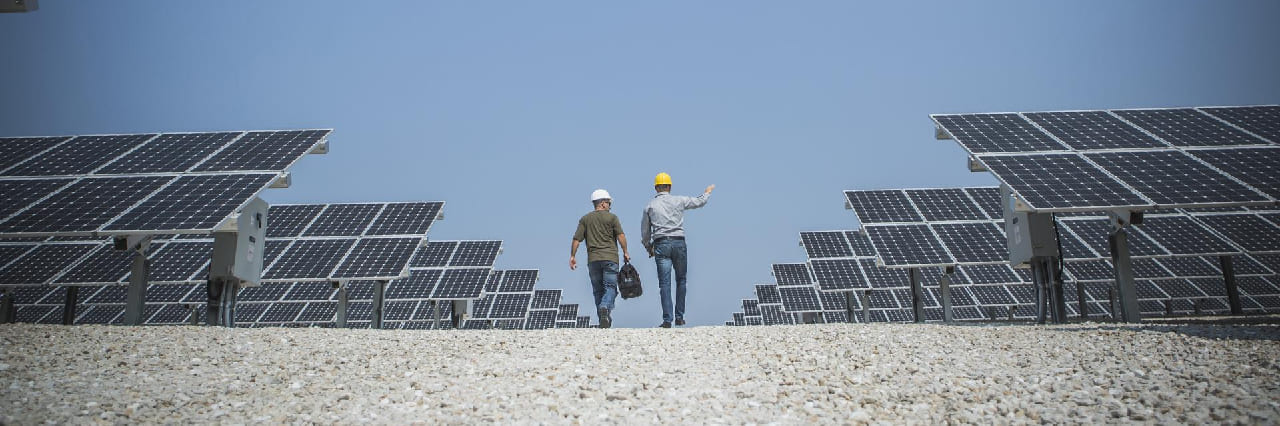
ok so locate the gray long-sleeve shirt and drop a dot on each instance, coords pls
(664, 216)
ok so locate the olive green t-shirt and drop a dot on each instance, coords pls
(599, 230)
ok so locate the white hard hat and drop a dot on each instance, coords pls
(600, 194)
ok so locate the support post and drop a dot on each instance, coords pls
(135, 302)
(227, 309)
(69, 305)
(917, 295)
(866, 306)
(193, 318)
(1233, 292)
(7, 311)
(1056, 290)
(1113, 303)
(378, 289)
(944, 292)
(1168, 307)
(1040, 287)
(436, 311)
(1128, 293)
(341, 320)
(850, 310)
(213, 307)
(1081, 298)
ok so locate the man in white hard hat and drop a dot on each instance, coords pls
(662, 233)
(602, 232)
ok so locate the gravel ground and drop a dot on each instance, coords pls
(836, 373)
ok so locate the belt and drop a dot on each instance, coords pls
(660, 239)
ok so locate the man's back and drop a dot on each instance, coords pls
(664, 215)
(599, 229)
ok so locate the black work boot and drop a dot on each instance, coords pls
(665, 325)
(679, 321)
(605, 320)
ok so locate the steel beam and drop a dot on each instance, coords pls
(1233, 292)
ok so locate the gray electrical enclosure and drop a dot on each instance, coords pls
(1029, 234)
(238, 247)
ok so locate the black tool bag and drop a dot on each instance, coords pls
(629, 282)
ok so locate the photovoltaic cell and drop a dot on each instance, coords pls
(1060, 181)
(15, 150)
(20, 193)
(945, 204)
(307, 291)
(378, 257)
(826, 244)
(988, 198)
(583, 322)
(900, 245)
(168, 293)
(838, 274)
(1246, 230)
(282, 312)
(751, 307)
(194, 202)
(1095, 233)
(750, 320)
(1092, 130)
(1173, 177)
(269, 150)
(419, 285)
(541, 320)
(510, 306)
(790, 274)
(319, 312)
(290, 220)
(1189, 266)
(774, 315)
(105, 265)
(1097, 270)
(990, 274)
(169, 153)
(343, 220)
(406, 218)
(1257, 167)
(800, 299)
(876, 206)
(1187, 127)
(992, 295)
(980, 242)
(882, 277)
(78, 156)
(996, 133)
(1260, 120)
(107, 294)
(84, 206)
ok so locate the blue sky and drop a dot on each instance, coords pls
(513, 112)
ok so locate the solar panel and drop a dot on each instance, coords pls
(1092, 130)
(1095, 233)
(518, 280)
(282, 312)
(900, 245)
(313, 259)
(1256, 167)
(41, 264)
(78, 156)
(1098, 270)
(20, 193)
(1173, 178)
(838, 274)
(833, 302)
(1182, 235)
(996, 133)
(476, 253)
(826, 244)
(568, 312)
(180, 262)
(419, 285)
(861, 244)
(1260, 120)
(399, 310)
(991, 274)
(169, 153)
(992, 295)
(458, 284)
(583, 322)
(319, 312)
(193, 203)
(988, 198)
(546, 299)
(17, 150)
(510, 306)
(1246, 230)
(1187, 127)
(791, 274)
(541, 319)
(750, 320)
(414, 218)
(378, 257)
(774, 315)
(877, 206)
(751, 307)
(343, 220)
(767, 293)
(266, 150)
(882, 277)
(945, 204)
(1189, 266)
(104, 265)
(434, 254)
(291, 219)
(308, 291)
(84, 206)
(1060, 181)
(800, 299)
(979, 242)
(267, 292)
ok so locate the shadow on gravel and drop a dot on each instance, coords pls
(1226, 328)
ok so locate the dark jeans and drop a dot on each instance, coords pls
(604, 282)
(671, 254)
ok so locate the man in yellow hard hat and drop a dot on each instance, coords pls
(603, 234)
(662, 232)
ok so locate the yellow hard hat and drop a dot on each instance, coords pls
(662, 179)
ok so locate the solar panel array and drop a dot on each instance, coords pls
(1137, 158)
(140, 183)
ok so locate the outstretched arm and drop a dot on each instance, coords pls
(699, 201)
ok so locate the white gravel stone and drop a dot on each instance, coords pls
(836, 373)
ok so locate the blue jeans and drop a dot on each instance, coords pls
(604, 282)
(670, 254)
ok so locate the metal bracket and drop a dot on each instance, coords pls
(975, 165)
(321, 148)
(941, 134)
(284, 180)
